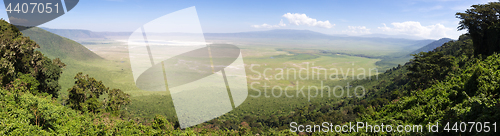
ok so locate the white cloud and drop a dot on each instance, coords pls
(416, 29)
(281, 24)
(357, 30)
(303, 19)
(264, 26)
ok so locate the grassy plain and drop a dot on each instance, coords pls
(114, 70)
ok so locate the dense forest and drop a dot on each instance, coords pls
(456, 82)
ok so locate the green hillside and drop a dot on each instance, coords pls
(431, 46)
(55, 46)
(401, 58)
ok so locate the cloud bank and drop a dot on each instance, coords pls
(281, 24)
(356, 30)
(303, 19)
(416, 29)
(298, 19)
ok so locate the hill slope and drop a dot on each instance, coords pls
(432, 46)
(465, 89)
(55, 46)
(419, 45)
(403, 57)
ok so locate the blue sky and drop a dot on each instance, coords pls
(423, 18)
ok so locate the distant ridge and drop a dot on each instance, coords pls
(115, 35)
(55, 46)
(410, 37)
(276, 33)
(76, 34)
(402, 58)
(432, 46)
(277, 37)
(302, 35)
(419, 45)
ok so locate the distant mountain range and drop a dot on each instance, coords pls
(75, 34)
(300, 35)
(410, 37)
(79, 34)
(279, 38)
(274, 34)
(114, 35)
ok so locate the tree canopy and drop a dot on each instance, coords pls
(483, 24)
(19, 57)
(85, 94)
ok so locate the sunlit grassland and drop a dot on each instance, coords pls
(115, 72)
(308, 67)
(369, 48)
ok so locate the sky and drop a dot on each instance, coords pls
(432, 19)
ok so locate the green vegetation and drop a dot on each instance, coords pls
(27, 114)
(483, 25)
(448, 84)
(84, 96)
(59, 47)
(28, 107)
(456, 82)
(19, 59)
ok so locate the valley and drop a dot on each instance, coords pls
(321, 65)
(250, 82)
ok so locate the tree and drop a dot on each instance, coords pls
(48, 76)
(483, 24)
(19, 56)
(116, 98)
(427, 67)
(24, 83)
(85, 93)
